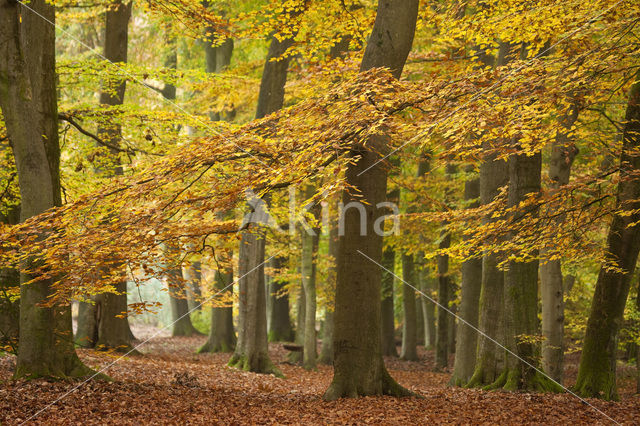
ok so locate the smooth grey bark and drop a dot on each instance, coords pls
(358, 364)
(466, 336)
(217, 59)
(445, 293)
(193, 276)
(428, 308)
(420, 332)
(251, 351)
(111, 311)
(409, 351)
(494, 174)
(387, 306)
(326, 352)
(280, 328)
(180, 319)
(29, 108)
(489, 356)
(310, 242)
(388, 327)
(563, 152)
(521, 287)
(221, 336)
(444, 298)
(597, 371)
(301, 316)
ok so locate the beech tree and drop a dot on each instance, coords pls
(29, 108)
(358, 365)
(596, 375)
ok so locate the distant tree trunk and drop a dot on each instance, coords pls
(358, 364)
(597, 372)
(467, 337)
(193, 276)
(563, 151)
(29, 108)
(429, 309)
(409, 350)
(494, 174)
(387, 306)
(217, 59)
(221, 335)
(281, 329)
(444, 297)
(420, 332)
(489, 356)
(310, 243)
(301, 316)
(326, 353)
(445, 291)
(521, 288)
(180, 319)
(388, 326)
(251, 353)
(103, 323)
(252, 348)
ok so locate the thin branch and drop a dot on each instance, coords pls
(69, 119)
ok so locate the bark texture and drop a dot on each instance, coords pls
(597, 371)
(409, 351)
(563, 151)
(29, 108)
(251, 351)
(388, 327)
(280, 329)
(466, 336)
(180, 319)
(489, 356)
(521, 325)
(221, 337)
(326, 352)
(358, 365)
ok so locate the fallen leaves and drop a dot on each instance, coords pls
(172, 385)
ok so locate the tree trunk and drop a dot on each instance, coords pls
(563, 151)
(29, 108)
(409, 350)
(444, 297)
(221, 335)
(193, 276)
(281, 329)
(521, 288)
(358, 365)
(9, 280)
(429, 309)
(252, 348)
(466, 336)
(489, 356)
(310, 241)
(420, 332)
(180, 319)
(251, 353)
(301, 316)
(388, 326)
(217, 59)
(597, 372)
(326, 353)
(104, 322)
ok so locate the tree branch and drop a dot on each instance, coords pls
(69, 119)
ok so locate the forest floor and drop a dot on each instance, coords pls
(170, 384)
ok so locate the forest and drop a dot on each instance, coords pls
(319, 211)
